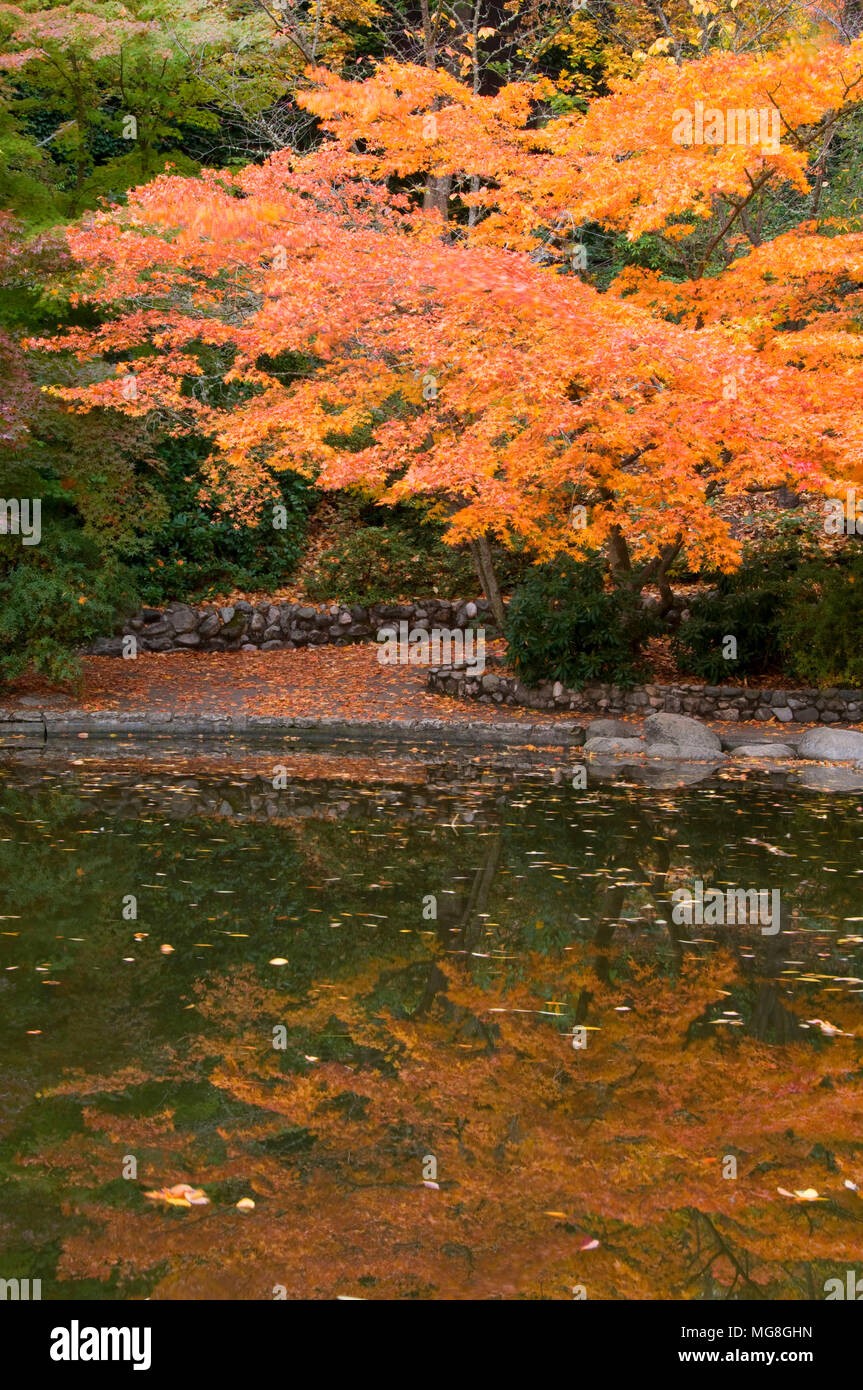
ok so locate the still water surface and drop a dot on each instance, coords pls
(401, 1097)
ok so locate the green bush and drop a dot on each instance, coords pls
(790, 607)
(820, 626)
(564, 624)
(400, 556)
(747, 605)
(192, 554)
(63, 593)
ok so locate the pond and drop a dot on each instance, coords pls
(435, 1014)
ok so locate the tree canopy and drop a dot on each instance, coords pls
(461, 360)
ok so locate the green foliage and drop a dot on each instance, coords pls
(820, 625)
(401, 555)
(840, 192)
(745, 605)
(564, 624)
(194, 553)
(791, 607)
(101, 96)
(61, 593)
(748, 605)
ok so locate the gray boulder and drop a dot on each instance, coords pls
(107, 646)
(674, 752)
(183, 619)
(615, 745)
(831, 745)
(610, 728)
(234, 626)
(692, 737)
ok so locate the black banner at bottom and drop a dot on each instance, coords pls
(81, 1341)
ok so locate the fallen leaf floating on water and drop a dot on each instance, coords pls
(771, 849)
(245, 1204)
(181, 1195)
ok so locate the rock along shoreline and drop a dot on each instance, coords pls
(663, 736)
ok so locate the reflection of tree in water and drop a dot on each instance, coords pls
(626, 1139)
(403, 1045)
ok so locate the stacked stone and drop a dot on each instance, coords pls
(726, 702)
(268, 626)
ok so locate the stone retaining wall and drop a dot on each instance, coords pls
(33, 727)
(729, 702)
(269, 626)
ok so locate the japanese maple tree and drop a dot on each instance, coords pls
(451, 361)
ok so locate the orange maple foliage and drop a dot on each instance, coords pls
(456, 367)
(556, 1168)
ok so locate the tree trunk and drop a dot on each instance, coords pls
(481, 552)
(669, 555)
(437, 191)
(618, 554)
